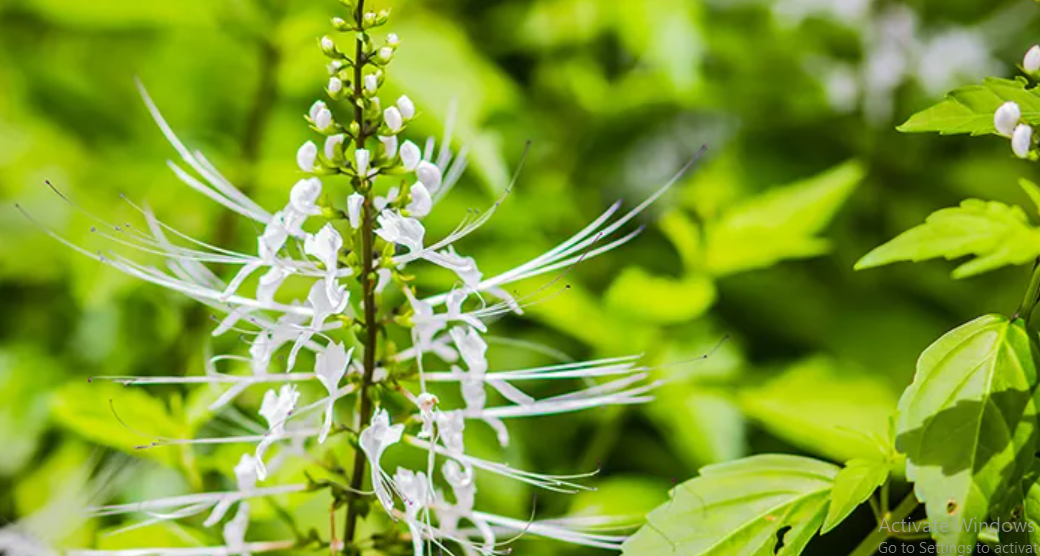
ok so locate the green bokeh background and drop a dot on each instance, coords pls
(796, 99)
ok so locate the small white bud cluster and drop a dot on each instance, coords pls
(1007, 122)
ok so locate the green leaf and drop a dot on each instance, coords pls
(970, 109)
(995, 233)
(118, 416)
(768, 504)
(1032, 190)
(854, 484)
(639, 295)
(967, 424)
(822, 408)
(780, 224)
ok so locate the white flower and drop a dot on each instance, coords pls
(304, 195)
(374, 440)
(410, 155)
(333, 146)
(392, 39)
(325, 246)
(335, 85)
(386, 54)
(235, 530)
(269, 283)
(1022, 140)
(361, 160)
(421, 201)
(415, 490)
(323, 119)
(275, 409)
(327, 44)
(371, 83)
(330, 365)
(389, 145)
(401, 230)
(334, 66)
(323, 305)
(426, 402)
(306, 156)
(407, 108)
(1031, 62)
(1006, 118)
(392, 117)
(384, 275)
(354, 202)
(429, 174)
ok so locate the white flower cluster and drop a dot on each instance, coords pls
(1007, 119)
(445, 327)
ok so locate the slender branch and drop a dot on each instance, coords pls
(1032, 294)
(368, 282)
(870, 545)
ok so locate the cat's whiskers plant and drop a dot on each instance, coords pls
(352, 245)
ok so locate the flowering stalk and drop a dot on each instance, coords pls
(445, 328)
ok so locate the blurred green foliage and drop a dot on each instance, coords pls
(797, 100)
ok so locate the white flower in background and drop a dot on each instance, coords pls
(1031, 61)
(429, 175)
(361, 160)
(1005, 119)
(335, 85)
(1022, 140)
(421, 202)
(389, 145)
(374, 440)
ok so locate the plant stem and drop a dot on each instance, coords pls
(870, 545)
(1032, 294)
(357, 477)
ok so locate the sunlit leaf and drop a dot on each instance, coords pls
(970, 109)
(995, 233)
(967, 424)
(770, 504)
(854, 484)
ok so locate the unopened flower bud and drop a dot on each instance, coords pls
(334, 66)
(323, 119)
(1031, 62)
(392, 117)
(361, 160)
(354, 202)
(318, 106)
(410, 155)
(340, 24)
(389, 145)
(421, 202)
(371, 83)
(385, 54)
(382, 17)
(392, 39)
(1022, 141)
(306, 156)
(429, 174)
(335, 85)
(327, 45)
(1006, 118)
(369, 19)
(334, 146)
(407, 108)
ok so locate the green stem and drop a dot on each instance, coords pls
(870, 545)
(1032, 294)
(368, 284)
